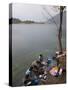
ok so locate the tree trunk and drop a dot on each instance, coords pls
(60, 29)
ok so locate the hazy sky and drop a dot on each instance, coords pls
(33, 12)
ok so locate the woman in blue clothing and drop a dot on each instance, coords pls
(30, 78)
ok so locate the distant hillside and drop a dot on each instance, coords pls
(14, 20)
(17, 21)
(28, 21)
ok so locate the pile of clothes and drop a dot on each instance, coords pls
(58, 67)
(56, 71)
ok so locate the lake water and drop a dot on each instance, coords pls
(28, 41)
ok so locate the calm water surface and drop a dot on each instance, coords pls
(28, 41)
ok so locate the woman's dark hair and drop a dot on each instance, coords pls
(41, 55)
(31, 68)
(54, 57)
(35, 67)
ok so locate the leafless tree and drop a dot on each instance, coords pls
(60, 29)
(61, 9)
